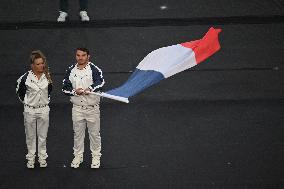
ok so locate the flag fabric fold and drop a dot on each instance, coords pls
(165, 62)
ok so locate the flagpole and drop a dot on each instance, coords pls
(113, 97)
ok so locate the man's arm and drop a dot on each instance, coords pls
(67, 87)
(98, 80)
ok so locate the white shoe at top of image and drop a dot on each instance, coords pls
(62, 16)
(84, 16)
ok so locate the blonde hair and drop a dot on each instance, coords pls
(38, 54)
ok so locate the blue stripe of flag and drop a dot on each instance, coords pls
(137, 82)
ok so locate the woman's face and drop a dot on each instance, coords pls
(38, 65)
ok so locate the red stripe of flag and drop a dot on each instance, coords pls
(205, 47)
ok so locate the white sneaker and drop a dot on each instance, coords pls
(78, 159)
(31, 161)
(95, 162)
(84, 16)
(31, 164)
(42, 162)
(62, 16)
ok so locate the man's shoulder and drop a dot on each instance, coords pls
(94, 67)
(70, 67)
(92, 64)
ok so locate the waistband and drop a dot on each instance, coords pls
(84, 106)
(36, 107)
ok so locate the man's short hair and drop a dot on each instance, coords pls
(83, 49)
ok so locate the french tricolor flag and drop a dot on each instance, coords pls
(165, 62)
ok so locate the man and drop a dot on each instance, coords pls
(33, 90)
(81, 79)
(64, 7)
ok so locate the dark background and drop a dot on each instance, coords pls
(218, 125)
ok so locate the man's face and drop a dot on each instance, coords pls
(82, 57)
(38, 65)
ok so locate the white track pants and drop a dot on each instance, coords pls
(86, 117)
(36, 127)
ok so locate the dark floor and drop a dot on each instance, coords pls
(218, 125)
(173, 144)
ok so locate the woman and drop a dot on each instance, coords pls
(33, 90)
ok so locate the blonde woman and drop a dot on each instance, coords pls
(33, 89)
